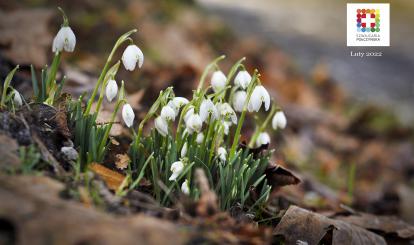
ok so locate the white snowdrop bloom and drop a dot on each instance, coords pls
(168, 113)
(242, 79)
(111, 90)
(131, 56)
(207, 108)
(128, 115)
(200, 138)
(259, 96)
(17, 98)
(161, 126)
(239, 98)
(178, 102)
(189, 113)
(185, 188)
(218, 81)
(184, 150)
(222, 153)
(176, 169)
(279, 120)
(65, 39)
(194, 123)
(226, 127)
(263, 139)
(226, 112)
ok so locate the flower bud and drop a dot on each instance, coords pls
(218, 81)
(194, 123)
(65, 39)
(128, 115)
(184, 150)
(161, 125)
(239, 99)
(111, 90)
(17, 98)
(200, 138)
(263, 139)
(185, 187)
(242, 79)
(279, 120)
(131, 56)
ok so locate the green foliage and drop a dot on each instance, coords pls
(29, 158)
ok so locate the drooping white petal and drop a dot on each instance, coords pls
(194, 123)
(185, 187)
(111, 90)
(176, 169)
(17, 98)
(279, 120)
(161, 126)
(128, 115)
(168, 113)
(242, 79)
(184, 150)
(200, 138)
(65, 39)
(188, 114)
(208, 108)
(259, 96)
(179, 102)
(218, 81)
(226, 127)
(131, 56)
(263, 139)
(239, 99)
(222, 153)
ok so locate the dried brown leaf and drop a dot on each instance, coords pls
(302, 225)
(112, 179)
(277, 177)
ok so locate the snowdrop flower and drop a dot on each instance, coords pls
(176, 169)
(65, 39)
(222, 153)
(189, 113)
(168, 113)
(194, 123)
(239, 98)
(17, 98)
(184, 150)
(226, 127)
(131, 56)
(263, 139)
(226, 112)
(111, 90)
(161, 125)
(259, 96)
(207, 108)
(242, 79)
(279, 120)
(200, 138)
(178, 102)
(218, 81)
(128, 115)
(184, 188)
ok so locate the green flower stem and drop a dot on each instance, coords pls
(118, 43)
(110, 75)
(262, 127)
(205, 72)
(243, 115)
(233, 71)
(53, 70)
(65, 18)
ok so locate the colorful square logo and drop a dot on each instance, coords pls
(368, 24)
(368, 20)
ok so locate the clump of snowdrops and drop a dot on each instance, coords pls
(201, 132)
